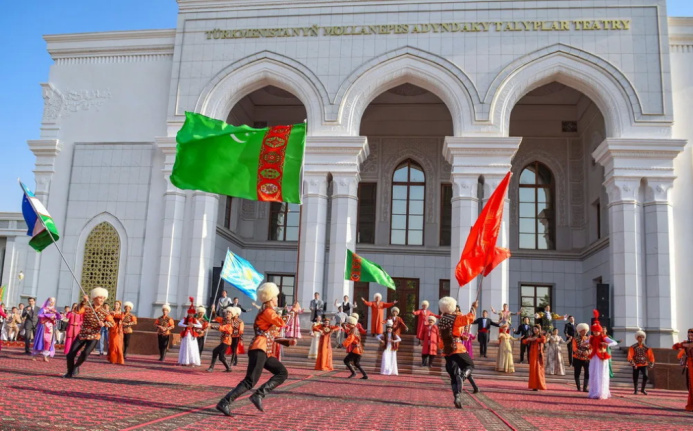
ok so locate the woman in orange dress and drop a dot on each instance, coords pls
(687, 347)
(377, 307)
(115, 335)
(536, 359)
(324, 359)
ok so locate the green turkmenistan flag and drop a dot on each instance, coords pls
(360, 269)
(256, 164)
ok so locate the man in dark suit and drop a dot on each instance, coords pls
(569, 332)
(483, 330)
(524, 330)
(29, 322)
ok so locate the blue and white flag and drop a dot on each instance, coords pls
(241, 274)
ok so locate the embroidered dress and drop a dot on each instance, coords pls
(314, 342)
(189, 353)
(554, 356)
(599, 372)
(388, 366)
(44, 338)
(504, 361)
(293, 324)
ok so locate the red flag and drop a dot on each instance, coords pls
(494, 259)
(481, 242)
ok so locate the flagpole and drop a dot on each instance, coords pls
(214, 298)
(38, 216)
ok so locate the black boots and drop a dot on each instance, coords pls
(423, 360)
(365, 376)
(351, 368)
(577, 383)
(224, 404)
(211, 366)
(473, 383)
(260, 393)
(226, 364)
(642, 388)
(430, 360)
(457, 390)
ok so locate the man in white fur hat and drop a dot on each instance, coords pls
(261, 353)
(94, 318)
(640, 358)
(581, 355)
(129, 320)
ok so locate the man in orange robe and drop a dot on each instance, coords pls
(536, 359)
(377, 307)
(324, 359)
(458, 364)
(261, 352)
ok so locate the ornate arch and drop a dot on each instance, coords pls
(599, 80)
(407, 65)
(259, 70)
(101, 255)
(557, 169)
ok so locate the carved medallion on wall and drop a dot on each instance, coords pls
(369, 167)
(59, 104)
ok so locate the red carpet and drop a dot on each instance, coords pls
(148, 395)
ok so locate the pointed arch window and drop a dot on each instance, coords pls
(536, 200)
(102, 260)
(408, 192)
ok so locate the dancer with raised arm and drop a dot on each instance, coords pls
(225, 327)
(504, 315)
(377, 306)
(354, 348)
(261, 352)
(451, 326)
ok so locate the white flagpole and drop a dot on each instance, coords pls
(38, 216)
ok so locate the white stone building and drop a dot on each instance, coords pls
(415, 109)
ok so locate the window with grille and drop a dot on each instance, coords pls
(408, 191)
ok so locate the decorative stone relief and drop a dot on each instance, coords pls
(59, 104)
(577, 182)
(622, 190)
(248, 210)
(369, 168)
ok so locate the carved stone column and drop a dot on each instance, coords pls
(172, 230)
(311, 255)
(641, 243)
(343, 155)
(203, 235)
(472, 157)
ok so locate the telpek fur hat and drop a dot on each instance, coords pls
(267, 292)
(99, 292)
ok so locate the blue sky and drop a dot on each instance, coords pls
(22, 25)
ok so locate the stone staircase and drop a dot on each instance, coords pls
(409, 360)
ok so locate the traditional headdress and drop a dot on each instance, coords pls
(128, 304)
(191, 309)
(356, 316)
(424, 302)
(640, 333)
(325, 317)
(166, 307)
(235, 311)
(583, 327)
(378, 296)
(432, 318)
(267, 292)
(389, 323)
(48, 301)
(351, 320)
(596, 326)
(99, 292)
(447, 304)
(201, 309)
(394, 310)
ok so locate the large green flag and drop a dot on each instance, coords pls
(256, 164)
(360, 269)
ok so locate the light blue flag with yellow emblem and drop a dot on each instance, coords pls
(241, 274)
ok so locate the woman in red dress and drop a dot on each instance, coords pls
(536, 359)
(115, 336)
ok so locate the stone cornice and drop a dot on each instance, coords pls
(480, 155)
(167, 144)
(335, 153)
(680, 31)
(638, 157)
(141, 43)
(45, 147)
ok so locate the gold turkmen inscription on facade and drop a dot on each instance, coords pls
(452, 27)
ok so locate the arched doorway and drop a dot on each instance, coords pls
(403, 218)
(101, 261)
(558, 217)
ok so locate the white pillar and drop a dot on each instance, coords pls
(342, 156)
(204, 231)
(660, 280)
(640, 239)
(472, 157)
(311, 255)
(172, 230)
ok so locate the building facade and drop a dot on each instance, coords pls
(416, 109)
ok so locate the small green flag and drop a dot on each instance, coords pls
(360, 269)
(255, 164)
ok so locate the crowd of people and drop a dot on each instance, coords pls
(79, 329)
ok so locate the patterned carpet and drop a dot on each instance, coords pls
(149, 395)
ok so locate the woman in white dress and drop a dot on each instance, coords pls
(388, 366)
(599, 362)
(554, 355)
(315, 341)
(189, 353)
